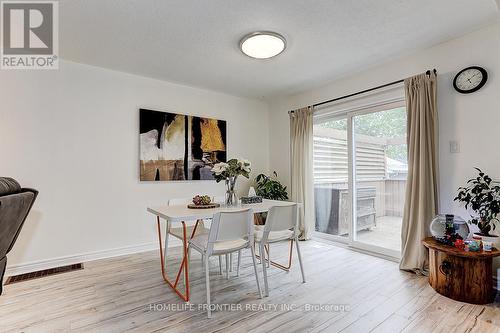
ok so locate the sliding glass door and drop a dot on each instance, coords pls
(380, 170)
(360, 169)
(331, 178)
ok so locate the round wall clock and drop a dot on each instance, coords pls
(470, 79)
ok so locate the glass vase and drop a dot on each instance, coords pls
(456, 223)
(231, 199)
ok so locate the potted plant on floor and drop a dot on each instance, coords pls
(482, 196)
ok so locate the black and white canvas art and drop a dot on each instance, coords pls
(179, 147)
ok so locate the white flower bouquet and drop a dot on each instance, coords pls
(232, 168)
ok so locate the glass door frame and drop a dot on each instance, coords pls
(351, 241)
(338, 238)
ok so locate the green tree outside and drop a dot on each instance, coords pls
(385, 124)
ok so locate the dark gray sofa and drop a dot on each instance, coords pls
(15, 204)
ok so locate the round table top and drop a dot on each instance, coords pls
(431, 243)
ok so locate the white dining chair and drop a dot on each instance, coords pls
(177, 232)
(230, 232)
(220, 199)
(281, 225)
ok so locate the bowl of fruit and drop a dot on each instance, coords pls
(202, 201)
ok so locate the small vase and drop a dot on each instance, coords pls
(231, 198)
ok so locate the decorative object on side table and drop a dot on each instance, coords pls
(464, 276)
(202, 201)
(472, 245)
(229, 172)
(487, 246)
(482, 196)
(448, 228)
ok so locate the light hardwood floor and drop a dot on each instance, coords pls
(120, 294)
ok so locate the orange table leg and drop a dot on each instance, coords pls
(183, 266)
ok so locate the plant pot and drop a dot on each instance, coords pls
(489, 238)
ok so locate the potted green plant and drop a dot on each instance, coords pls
(270, 188)
(482, 196)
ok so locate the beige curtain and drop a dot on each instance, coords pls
(421, 202)
(301, 155)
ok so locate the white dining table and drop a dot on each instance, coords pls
(180, 214)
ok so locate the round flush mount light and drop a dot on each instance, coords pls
(262, 44)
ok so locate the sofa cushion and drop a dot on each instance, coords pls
(9, 186)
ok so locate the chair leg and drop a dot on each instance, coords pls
(300, 259)
(239, 262)
(3, 265)
(268, 256)
(220, 265)
(264, 271)
(227, 266)
(267, 249)
(254, 268)
(231, 262)
(207, 281)
(260, 254)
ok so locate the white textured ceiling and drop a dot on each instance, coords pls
(195, 42)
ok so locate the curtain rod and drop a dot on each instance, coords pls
(364, 91)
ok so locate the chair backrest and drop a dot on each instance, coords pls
(282, 218)
(15, 204)
(231, 225)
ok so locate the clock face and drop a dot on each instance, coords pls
(470, 79)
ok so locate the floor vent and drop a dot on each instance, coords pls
(42, 273)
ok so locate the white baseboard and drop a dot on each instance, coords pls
(74, 259)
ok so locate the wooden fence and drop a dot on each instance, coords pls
(331, 167)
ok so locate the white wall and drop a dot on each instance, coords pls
(73, 135)
(473, 120)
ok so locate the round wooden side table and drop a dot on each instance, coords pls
(460, 275)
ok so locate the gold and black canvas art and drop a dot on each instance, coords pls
(179, 147)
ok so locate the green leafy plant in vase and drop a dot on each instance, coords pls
(482, 196)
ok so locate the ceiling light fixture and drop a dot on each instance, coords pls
(262, 44)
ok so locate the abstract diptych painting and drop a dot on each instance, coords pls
(179, 147)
